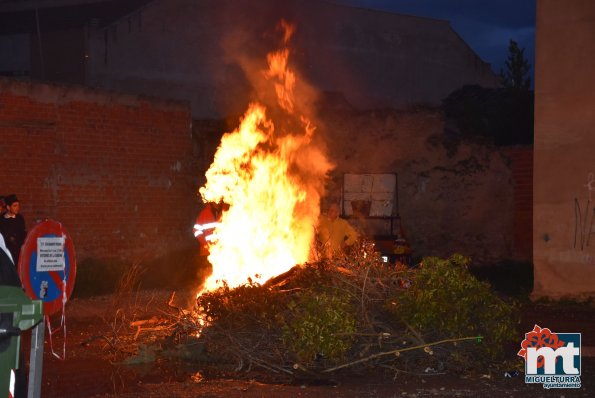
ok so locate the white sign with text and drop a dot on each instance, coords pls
(50, 254)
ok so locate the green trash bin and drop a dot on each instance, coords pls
(17, 313)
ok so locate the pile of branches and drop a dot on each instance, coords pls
(356, 311)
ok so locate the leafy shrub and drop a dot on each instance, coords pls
(320, 326)
(446, 301)
(357, 311)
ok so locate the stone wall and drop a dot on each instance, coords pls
(115, 169)
(454, 195)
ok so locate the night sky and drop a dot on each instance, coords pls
(486, 25)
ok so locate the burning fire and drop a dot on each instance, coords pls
(272, 180)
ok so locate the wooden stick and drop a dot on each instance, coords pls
(393, 352)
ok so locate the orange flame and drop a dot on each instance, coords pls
(283, 88)
(272, 181)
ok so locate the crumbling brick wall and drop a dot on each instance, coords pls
(115, 169)
(521, 163)
(454, 194)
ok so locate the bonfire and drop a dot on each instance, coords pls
(273, 303)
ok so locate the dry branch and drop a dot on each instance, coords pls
(395, 352)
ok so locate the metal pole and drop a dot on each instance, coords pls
(36, 360)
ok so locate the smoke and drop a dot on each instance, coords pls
(251, 31)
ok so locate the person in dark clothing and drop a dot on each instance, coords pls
(10, 277)
(8, 271)
(12, 227)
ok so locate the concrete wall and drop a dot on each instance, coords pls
(564, 187)
(115, 169)
(454, 195)
(205, 51)
(63, 56)
(15, 59)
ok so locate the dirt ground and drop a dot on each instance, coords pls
(91, 369)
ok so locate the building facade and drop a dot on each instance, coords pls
(204, 51)
(564, 182)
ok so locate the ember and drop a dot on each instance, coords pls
(273, 179)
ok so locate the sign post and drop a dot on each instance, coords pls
(47, 265)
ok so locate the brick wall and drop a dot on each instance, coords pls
(115, 169)
(521, 158)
